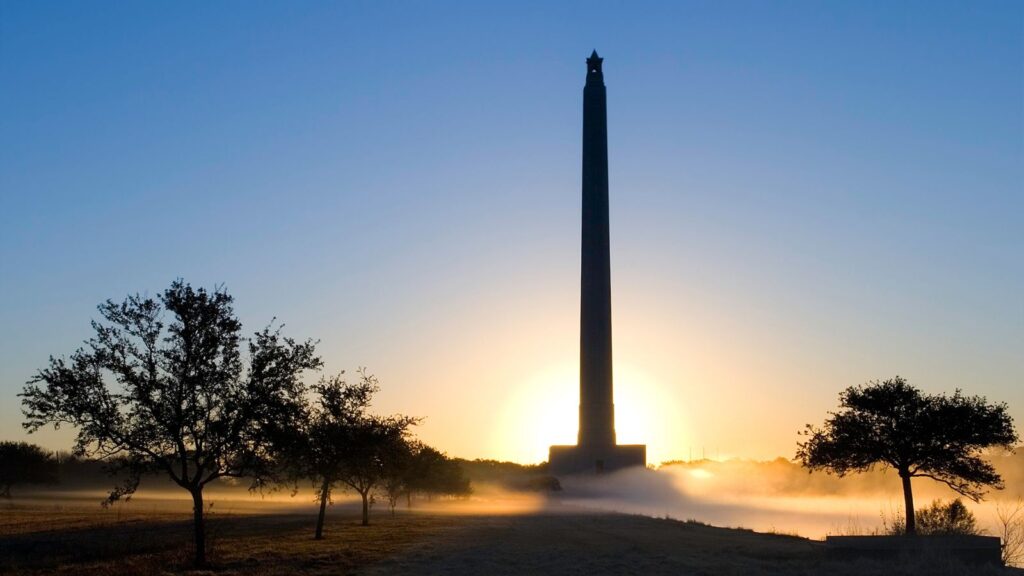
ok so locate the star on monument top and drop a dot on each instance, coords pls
(594, 62)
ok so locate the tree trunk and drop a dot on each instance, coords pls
(325, 495)
(366, 508)
(408, 499)
(908, 501)
(198, 527)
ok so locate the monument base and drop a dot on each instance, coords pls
(565, 460)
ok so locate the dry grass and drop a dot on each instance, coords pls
(64, 539)
(79, 540)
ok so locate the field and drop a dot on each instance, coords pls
(72, 536)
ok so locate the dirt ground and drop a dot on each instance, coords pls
(47, 538)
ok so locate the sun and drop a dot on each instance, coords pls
(544, 410)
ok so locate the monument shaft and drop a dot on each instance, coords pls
(597, 411)
(596, 449)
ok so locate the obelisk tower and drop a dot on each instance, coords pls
(596, 450)
(597, 411)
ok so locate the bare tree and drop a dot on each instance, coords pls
(1011, 527)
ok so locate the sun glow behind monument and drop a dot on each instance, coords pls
(646, 410)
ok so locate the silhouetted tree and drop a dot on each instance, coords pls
(1010, 529)
(893, 424)
(421, 474)
(174, 397)
(946, 518)
(24, 463)
(435, 474)
(425, 470)
(317, 447)
(398, 472)
(372, 443)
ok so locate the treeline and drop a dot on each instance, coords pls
(169, 387)
(24, 465)
(510, 475)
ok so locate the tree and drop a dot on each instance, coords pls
(372, 443)
(952, 518)
(317, 447)
(398, 470)
(423, 469)
(24, 463)
(174, 398)
(893, 424)
(1010, 516)
(434, 473)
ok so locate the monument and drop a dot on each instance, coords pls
(596, 449)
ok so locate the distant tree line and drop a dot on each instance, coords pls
(167, 386)
(22, 463)
(511, 475)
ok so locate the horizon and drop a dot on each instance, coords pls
(803, 198)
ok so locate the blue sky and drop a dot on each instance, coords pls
(804, 196)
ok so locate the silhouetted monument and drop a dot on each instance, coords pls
(596, 450)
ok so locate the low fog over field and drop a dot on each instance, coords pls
(777, 495)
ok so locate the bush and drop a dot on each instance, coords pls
(938, 519)
(947, 519)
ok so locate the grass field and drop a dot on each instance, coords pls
(57, 536)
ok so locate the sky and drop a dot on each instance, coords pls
(805, 196)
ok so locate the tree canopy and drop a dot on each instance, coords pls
(24, 463)
(893, 424)
(162, 386)
(336, 442)
(372, 445)
(315, 446)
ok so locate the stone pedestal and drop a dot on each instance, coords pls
(564, 460)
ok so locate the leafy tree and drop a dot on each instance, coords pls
(893, 424)
(317, 448)
(337, 442)
(421, 475)
(24, 463)
(371, 446)
(425, 470)
(162, 387)
(398, 472)
(437, 474)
